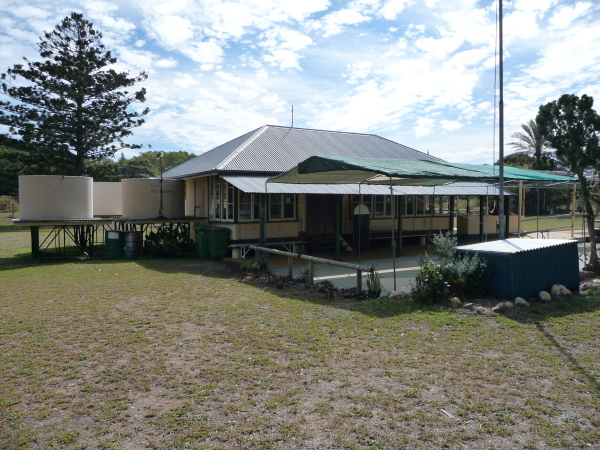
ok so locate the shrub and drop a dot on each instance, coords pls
(326, 287)
(169, 243)
(8, 204)
(463, 276)
(260, 264)
(373, 284)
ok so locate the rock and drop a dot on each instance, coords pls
(521, 301)
(455, 302)
(587, 285)
(544, 297)
(560, 293)
(480, 310)
(500, 307)
(508, 306)
(399, 295)
(468, 306)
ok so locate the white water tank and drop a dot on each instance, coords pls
(141, 198)
(49, 197)
(107, 198)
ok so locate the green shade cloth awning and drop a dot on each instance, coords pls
(406, 172)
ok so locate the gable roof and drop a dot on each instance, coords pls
(273, 149)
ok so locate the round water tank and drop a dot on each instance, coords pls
(141, 198)
(107, 198)
(50, 197)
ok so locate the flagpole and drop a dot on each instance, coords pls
(501, 226)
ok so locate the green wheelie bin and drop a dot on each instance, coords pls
(218, 242)
(202, 241)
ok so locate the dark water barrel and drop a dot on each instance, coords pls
(134, 244)
(113, 244)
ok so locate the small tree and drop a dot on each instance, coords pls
(531, 149)
(72, 107)
(572, 127)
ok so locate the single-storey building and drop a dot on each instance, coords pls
(227, 186)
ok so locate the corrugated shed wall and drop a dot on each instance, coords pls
(526, 273)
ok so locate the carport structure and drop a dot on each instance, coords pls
(395, 173)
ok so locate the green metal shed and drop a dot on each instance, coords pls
(524, 267)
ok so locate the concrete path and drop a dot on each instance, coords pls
(406, 270)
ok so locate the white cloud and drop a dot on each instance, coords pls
(335, 22)
(173, 31)
(450, 125)
(414, 30)
(165, 63)
(102, 15)
(358, 70)
(283, 46)
(206, 52)
(425, 126)
(392, 8)
(564, 16)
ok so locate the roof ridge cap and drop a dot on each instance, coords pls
(238, 150)
(320, 130)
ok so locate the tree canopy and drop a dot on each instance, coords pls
(572, 127)
(71, 107)
(144, 165)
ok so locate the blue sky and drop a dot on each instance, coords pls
(418, 72)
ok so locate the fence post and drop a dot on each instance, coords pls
(358, 280)
(290, 271)
(311, 272)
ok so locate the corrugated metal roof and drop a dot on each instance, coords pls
(511, 246)
(256, 185)
(209, 161)
(276, 149)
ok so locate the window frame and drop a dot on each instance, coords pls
(291, 206)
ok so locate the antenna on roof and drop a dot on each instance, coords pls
(292, 116)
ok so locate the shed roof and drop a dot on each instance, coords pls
(274, 149)
(512, 246)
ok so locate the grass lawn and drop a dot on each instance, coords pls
(182, 354)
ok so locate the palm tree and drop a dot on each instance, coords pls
(532, 142)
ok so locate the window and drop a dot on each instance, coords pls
(214, 193)
(249, 206)
(282, 206)
(442, 205)
(246, 206)
(410, 205)
(221, 195)
(424, 204)
(383, 206)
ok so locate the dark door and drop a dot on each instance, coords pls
(320, 215)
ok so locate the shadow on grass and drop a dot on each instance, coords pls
(540, 312)
(572, 360)
(13, 229)
(166, 265)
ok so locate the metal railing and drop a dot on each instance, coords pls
(548, 229)
(312, 260)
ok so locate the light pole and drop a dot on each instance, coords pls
(159, 156)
